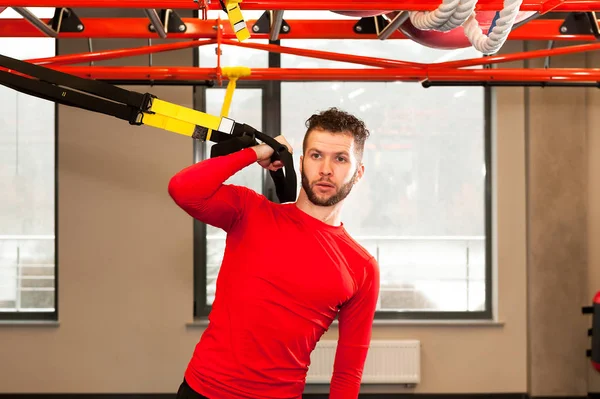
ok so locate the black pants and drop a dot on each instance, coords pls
(186, 392)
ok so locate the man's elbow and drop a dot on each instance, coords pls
(173, 187)
(177, 190)
(187, 194)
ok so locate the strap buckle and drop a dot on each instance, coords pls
(137, 115)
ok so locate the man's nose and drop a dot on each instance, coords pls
(326, 169)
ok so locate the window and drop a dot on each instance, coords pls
(28, 179)
(423, 208)
(247, 106)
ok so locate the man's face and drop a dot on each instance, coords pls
(329, 167)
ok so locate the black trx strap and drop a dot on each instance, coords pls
(147, 109)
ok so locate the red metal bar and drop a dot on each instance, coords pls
(549, 5)
(546, 29)
(386, 74)
(327, 55)
(120, 53)
(517, 56)
(518, 74)
(219, 42)
(422, 5)
(299, 29)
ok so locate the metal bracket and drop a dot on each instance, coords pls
(393, 26)
(371, 25)
(263, 24)
(171, 21)
(594, 23)
(581, 23)
(35, 21)
(65, 20)
(547, 59)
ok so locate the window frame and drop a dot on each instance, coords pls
(272, 126)
(47, 316)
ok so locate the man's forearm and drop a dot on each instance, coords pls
(344, 386)
(201, 180)
(347, 372)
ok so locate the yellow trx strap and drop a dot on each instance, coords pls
(236, 19)
(183, 120)
(233, 73)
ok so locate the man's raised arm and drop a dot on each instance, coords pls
(199, 189)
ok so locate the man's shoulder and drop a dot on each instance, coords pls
(361, 251)
(253, 202)
(364, 265)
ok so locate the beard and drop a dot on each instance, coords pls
(340, 193)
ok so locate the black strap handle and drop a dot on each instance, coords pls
(285, 184)
(244, 136)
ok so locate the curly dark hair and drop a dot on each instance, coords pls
(338, 121)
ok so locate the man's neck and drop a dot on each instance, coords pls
(330, 215)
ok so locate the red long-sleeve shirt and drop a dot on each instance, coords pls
(284, 278)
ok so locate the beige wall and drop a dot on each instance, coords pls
(557, 238)
(125, 267)
(592, 122)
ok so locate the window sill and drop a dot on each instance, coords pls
(29, 323)
(419, 323)
(435, 323)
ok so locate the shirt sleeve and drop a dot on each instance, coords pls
(355, 325)
(200, 190)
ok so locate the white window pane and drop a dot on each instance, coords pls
(27, 174)
(40, 12)
(403, 50)
(246, 106)
(27, 273)
(477, 259)
(420, 207)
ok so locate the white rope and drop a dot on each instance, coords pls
(449, 15)
(495, 39)
(454, 13)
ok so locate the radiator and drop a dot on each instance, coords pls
(388, 362)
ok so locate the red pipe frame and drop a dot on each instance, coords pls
(380, 69)
(542, 6)
(387, 71)
(316, 74)
(119, 53)
(137, 28)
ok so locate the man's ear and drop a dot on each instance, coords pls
(301, 163)
(360, 172)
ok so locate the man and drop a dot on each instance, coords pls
(288, 270)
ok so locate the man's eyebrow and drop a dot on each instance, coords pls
(343, 152)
